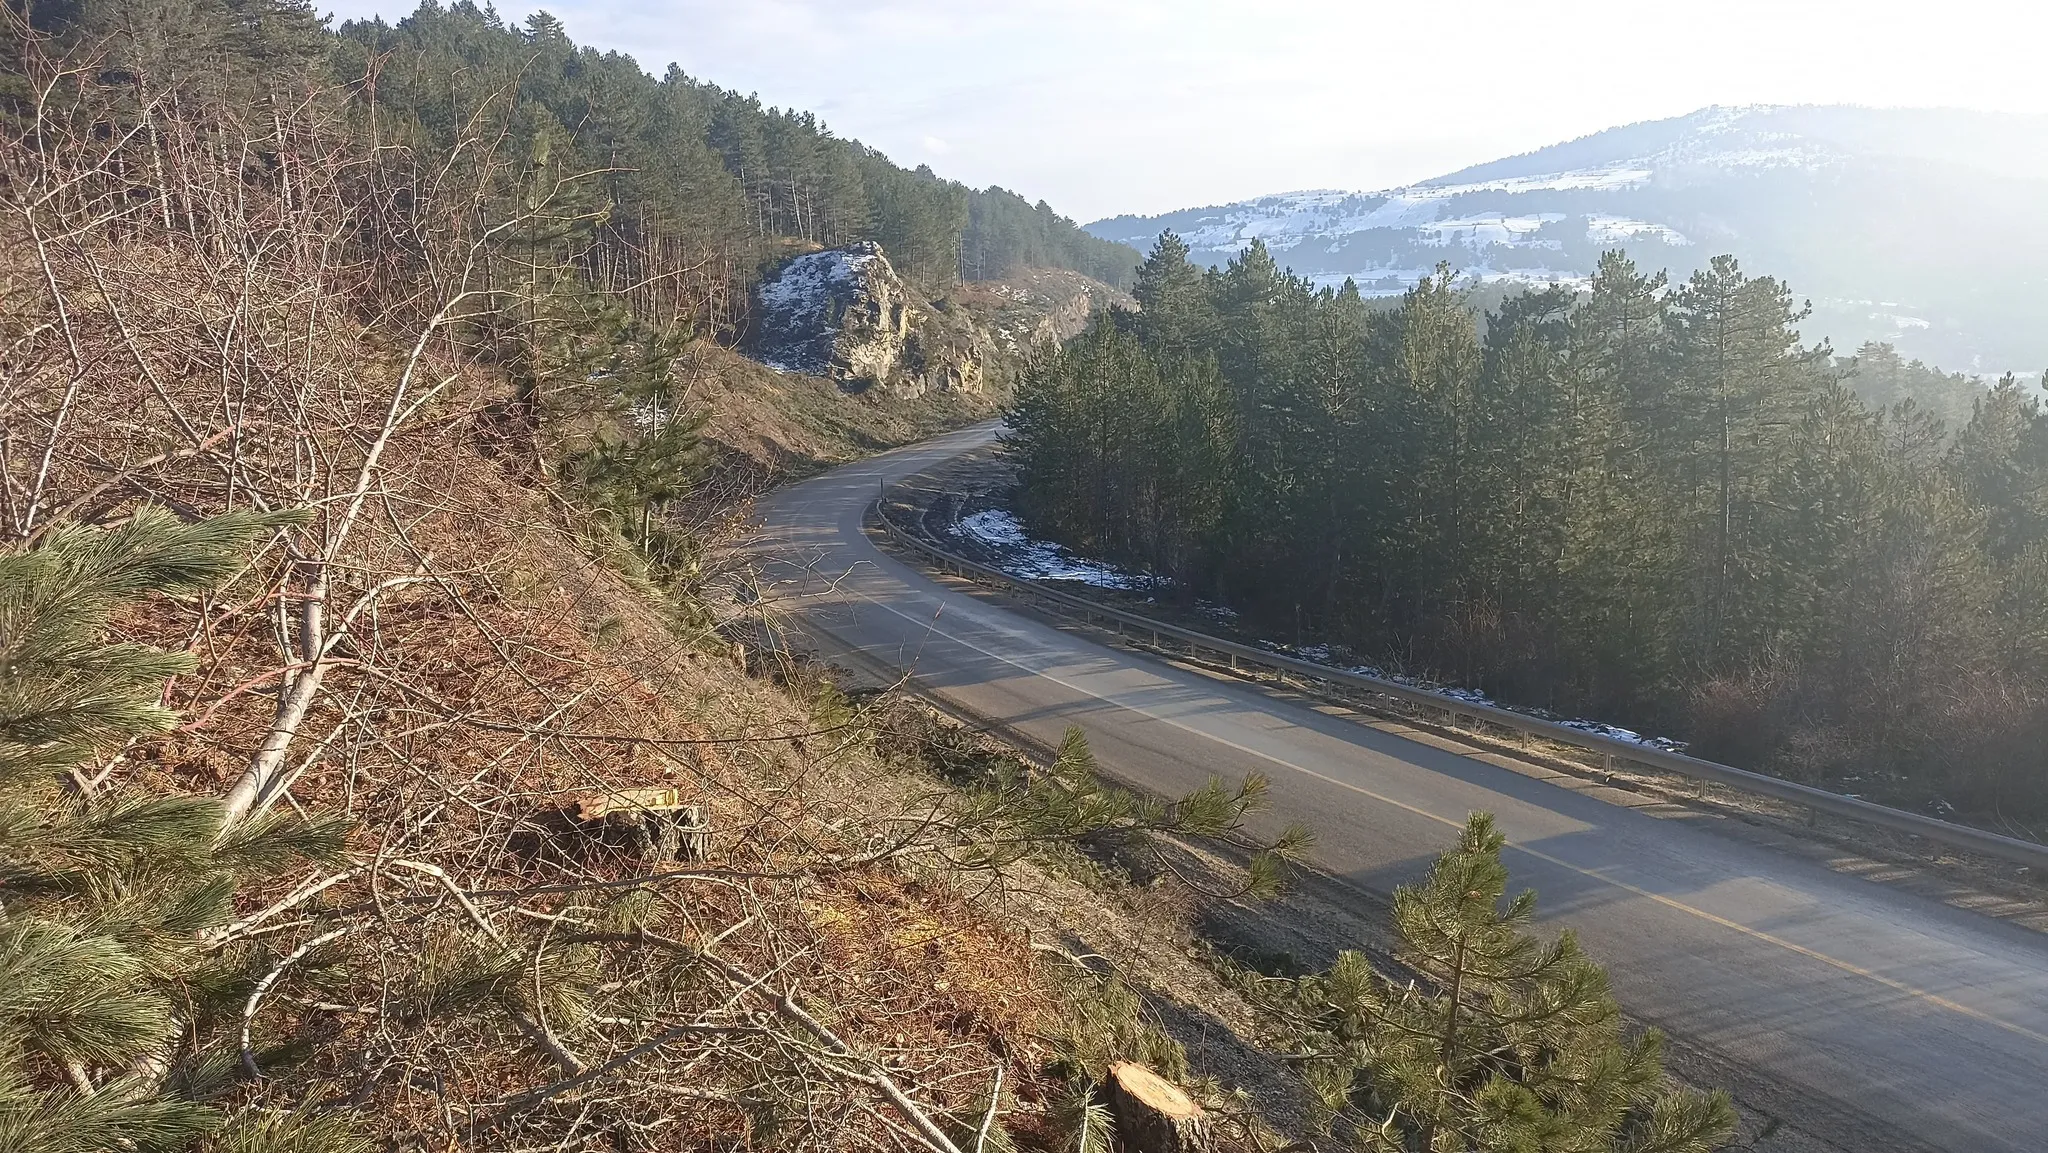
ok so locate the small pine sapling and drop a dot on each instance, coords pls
(105, 894)
(1501, 1040)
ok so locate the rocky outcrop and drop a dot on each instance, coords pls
(845, 315)
(1048, 305)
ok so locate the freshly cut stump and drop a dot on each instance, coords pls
(1152, 1114)
(654, 821)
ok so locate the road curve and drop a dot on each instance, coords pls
(1927, 1022)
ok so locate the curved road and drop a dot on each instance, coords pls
(1926, 1023)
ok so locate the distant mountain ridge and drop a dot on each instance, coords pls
(1921, 227)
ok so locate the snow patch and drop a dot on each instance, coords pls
(798, 303)
(1026, 559)
(1488, 228)
(1603, 229)
(993, 526)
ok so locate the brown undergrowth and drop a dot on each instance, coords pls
(206, 310)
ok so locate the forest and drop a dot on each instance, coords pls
(682, 191)
(1652, 504)
(700, 185)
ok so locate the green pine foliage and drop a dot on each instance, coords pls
(690, 174)
(1881, 378)
(106, 995)
(636, 446)
(1009, 810)
(1502, 1040)
(1656, 505)
(669, 192)
(1006, 234)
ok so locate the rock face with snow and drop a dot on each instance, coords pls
(844, 314)
(1920, 227)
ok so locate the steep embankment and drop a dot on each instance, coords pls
(609, 879)
(460, 661)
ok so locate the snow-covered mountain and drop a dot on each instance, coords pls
(1925, 227)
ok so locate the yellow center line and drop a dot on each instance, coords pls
(1851, 968)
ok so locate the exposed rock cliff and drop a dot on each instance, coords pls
(841, 313)
(844, 314)
(1043, 304)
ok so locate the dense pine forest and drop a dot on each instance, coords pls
(672, 191)
(1649, 503)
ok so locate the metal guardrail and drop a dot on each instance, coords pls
(1238, 655)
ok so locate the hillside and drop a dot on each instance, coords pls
(382, 764)
(680, 206)
(1915, 227)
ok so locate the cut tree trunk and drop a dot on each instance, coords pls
(1152, 1114)
(656, 824)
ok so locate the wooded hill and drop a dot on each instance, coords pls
(698, 185)
(682, 189)
(1647, 504)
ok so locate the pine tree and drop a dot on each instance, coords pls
(102, 897)
(1503, 1042)
(648, 451)
(1175, 317)
(2001, 461)
(1741, 381)
(1617, 570)
(1432, 370)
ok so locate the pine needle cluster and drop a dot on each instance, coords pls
(1015, 809)
(105, 986)
(1502, 1040)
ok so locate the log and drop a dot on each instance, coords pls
(1152, 1114)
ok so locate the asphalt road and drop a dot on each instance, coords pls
(1917, 1024)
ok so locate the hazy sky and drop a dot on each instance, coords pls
(1112, 106)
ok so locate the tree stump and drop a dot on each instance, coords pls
(1152, 1114)
(654, 822)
